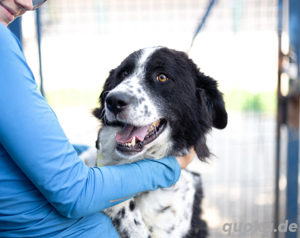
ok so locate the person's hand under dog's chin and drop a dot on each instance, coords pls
(185, 160)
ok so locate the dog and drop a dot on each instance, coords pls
(154, 104)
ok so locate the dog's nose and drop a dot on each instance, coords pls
(118, 101)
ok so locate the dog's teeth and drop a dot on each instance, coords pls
(133, 141)
(156, 123)
(153, 126)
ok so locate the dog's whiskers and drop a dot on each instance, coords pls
(102, 114)
(104, 93)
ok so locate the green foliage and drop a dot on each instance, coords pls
(242, 100)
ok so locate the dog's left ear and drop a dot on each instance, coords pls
(212, 98)
(99, 112)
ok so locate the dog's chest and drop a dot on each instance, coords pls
(168, 212)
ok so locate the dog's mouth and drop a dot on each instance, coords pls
(132, 139)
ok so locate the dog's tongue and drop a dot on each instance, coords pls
(128, 132)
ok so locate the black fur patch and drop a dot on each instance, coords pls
(121, 213)
(137, 222)
(131, 205)
(116, 222)
(124, 234)
(164, 209)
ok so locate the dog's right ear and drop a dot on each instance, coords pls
(213, 110)
(212, 98)
(99, 112)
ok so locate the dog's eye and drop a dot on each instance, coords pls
(161, 78)
(124, 74)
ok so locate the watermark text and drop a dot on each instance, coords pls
(258, 227)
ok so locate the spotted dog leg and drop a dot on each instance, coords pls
(128, 220)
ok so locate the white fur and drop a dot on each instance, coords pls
(163, 224)
(89, 157)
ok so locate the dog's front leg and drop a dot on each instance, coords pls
(127, 220)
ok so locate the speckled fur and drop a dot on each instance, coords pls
(191, 104)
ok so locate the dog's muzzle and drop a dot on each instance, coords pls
(133, 135)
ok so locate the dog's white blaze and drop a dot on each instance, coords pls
(146, 53)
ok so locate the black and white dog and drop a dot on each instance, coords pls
(158, 103)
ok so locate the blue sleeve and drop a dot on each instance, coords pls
(34, 139)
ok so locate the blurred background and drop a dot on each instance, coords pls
(246, 45)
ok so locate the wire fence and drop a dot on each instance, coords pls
(83, 40)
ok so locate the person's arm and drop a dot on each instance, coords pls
(32, 135)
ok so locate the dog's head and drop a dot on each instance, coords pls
(156, 103)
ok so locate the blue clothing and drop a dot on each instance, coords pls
(45, 189)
